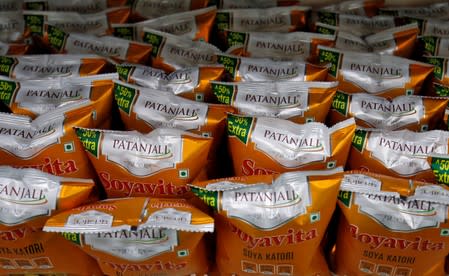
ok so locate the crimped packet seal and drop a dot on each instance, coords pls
(382, 75)
(297, 101)
(262, 145)
(368, 8)
(261, 218)
(416, 113)
(190, 82)
(87, 6)
(392, 223)
(344, 40)
(437, 10)
(131, 236)
(195, 25)
(51, 66)
(253, 4)
(159, 163)
(241, 69)
(400, 153)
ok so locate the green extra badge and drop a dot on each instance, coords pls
(440, 168)
(327, 56)
(223, 92)
(239, 126)
(73, 237)
(90, 139)
(359, 139)
(7, 90)
(56, 37)
(345, 198)
(7, 65)
(223, 20)
(340, 103)
(209, 197)
(439, 63)
(125, 32)
(35, 23)
(124, 71)
(124, 96)
(236, 38)
(429, 44)
(155, 41)
(230, 64)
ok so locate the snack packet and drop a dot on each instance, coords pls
(390, 224)
(14, 49)
(400, 153)
(51, 66)
(12, 26)
(37, 97)
(194, 25)
(440, 80)
(28, 198)
(147, 9)
(258, 69)
(297, 101)
(108, 46)
(254, 4)
(47, 143)
(159, 163)
(85, 6)
(437, 10)
(434, 46)
(171, 52)
(269, 145)
(343, 40)
(415, 113)
(382, 75)
(141, 236)
(272, 224)
(283, 46)
(189, 82)
(73, 22)
(367, 8)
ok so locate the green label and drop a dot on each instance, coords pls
(90, 139)
(35, 23)
(209, 197)
(224, 92)
(326, 56)
(236, 38)
(440, 168)
(328, 18)
(438, 70)
(230, 64)
(124, 32)
(7, 89)
(124, 71)
(73, 237)
(340, 103)
(223, 21)
(429, 44)
(345, 198)
(124, 96)
(56, 37)
(359, 139)
(155, 41)
(7, 65)
(441, 90)
(324, 30)
(239, 127)
(36, 6)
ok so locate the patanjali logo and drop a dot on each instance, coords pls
(143, 150)
(269, 199)
(295, 143)
(413, 207)
(22, 195)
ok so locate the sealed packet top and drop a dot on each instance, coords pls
(147, 9)
(73, 22)
(12, 26)
(36, 97)
(159, 163)
(28, 198)
(390, 224)
(440, 80)
(260, 69)
(194, 25)
(437, 10)
(89, 6)
(270, 145)
(367, 8)
(277, 46)
(415, 113)
(401, 153)
(382, 75)
(189, 82)
(272, 223)
(171, 52)
(253, 4)
(297, 101)
(139, 236)
(49, 142)
(343, 40)
(51, 66)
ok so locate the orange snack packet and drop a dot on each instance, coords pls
(194, 25)
(139, 236)
(108, 46)
(14, 48)
(28, 198)
(382, 75)
(73, 22)
(415, 113)
(299, 102)
(284, 46)
(400, 153)
(171, 52)
(272, 224)
(269, 145)
(390, 224)
(258, 69)
(37, 97)
(47, 143)
(440, 80)
(189, 82)
(159, 163)
(50, 66)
